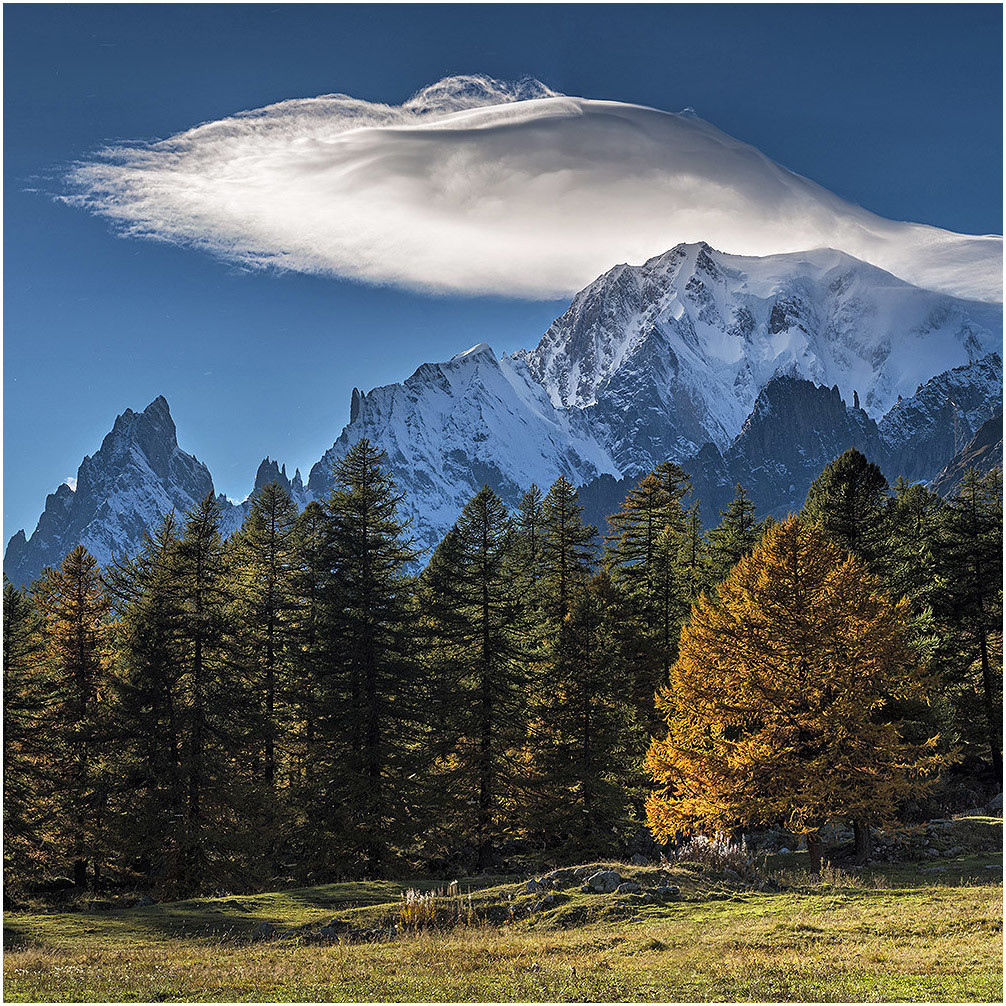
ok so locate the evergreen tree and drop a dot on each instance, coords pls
(736, 536)
(31, 697)
(74, 611)
(152, 708)
(848, 499)
(369, 707)
(969, 601)
(771, 704)
(586, 755)
(567, 549)
(474, 650)
(529, 525)
(652, 532)
(262, 568)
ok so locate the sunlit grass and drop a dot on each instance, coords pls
(866, 936)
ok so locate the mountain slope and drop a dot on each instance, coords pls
(672, 354)
(454, 426)
(125, 489)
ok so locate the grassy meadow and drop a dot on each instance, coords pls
(897, 932)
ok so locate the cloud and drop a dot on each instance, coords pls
(479, 186)
(71, 481)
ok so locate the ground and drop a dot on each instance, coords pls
(896, 932)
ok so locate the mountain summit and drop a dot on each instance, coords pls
(125, 489)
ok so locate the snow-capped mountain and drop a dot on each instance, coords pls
(125, 489)
(757, 370)
(453, 427)
(670, 355)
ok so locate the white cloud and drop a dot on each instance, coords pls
(474, 186)
(71, 481)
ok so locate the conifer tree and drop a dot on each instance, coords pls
(567, 549)
(529, 524)
(262, 568)
(969, 601)
(152, 705)
(771, 707)
(74, 611)
(31, 697)
(736, 536)
(645, 557)
(371, 699)
(848, 500)
(586, 754)
(474, 654)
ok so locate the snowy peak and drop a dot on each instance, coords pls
(137, 476)
(693, 335)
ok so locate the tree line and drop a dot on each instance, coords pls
(295, 703)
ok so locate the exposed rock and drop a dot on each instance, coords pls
(629, 887)
(604, 881)
(266, 931)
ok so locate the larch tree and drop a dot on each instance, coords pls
(773, 706)
(75, 617)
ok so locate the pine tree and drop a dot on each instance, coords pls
(74, 610)
(262, 568)
(567, 549)
(586, 755)
(645, 555)
(736, 536)
(772, 704)
(529, 525)
(474, 632)
(152, 708)
(969, 553)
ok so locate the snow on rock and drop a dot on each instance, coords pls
(672, 354)
(453, 427)
(124, 490)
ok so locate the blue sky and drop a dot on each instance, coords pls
(896, 108)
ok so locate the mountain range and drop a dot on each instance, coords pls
(756, 370)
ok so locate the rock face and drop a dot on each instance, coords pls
(136, 477)
(984, 451)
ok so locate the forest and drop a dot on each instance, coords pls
(310, 699)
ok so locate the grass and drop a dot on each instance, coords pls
(884, 934)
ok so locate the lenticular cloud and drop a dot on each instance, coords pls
(479, 186)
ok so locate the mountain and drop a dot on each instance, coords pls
(453, 427)
(122, 491)
(984, 451)
(750, 370)
(673, 354)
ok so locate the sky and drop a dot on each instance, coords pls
(895, 108)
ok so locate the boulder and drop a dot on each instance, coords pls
(145, 902)
(604, 881)
(266, 931)
(640, 860)
(534, 886)
(629, 887)
(995, 805)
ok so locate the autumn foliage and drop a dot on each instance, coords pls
(774, 705)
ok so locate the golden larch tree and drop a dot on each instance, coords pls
(773, 706)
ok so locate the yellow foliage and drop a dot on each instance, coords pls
(773, 706)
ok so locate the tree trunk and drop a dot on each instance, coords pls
(814, 851)
(80, 874)
(864, 841)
